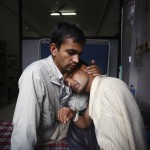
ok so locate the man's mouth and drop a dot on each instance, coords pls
(72, 66)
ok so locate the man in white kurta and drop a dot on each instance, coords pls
(113, 109)
(116, 116)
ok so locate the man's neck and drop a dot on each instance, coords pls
(88, 87)
(59, 73)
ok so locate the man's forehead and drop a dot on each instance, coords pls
(69, 74)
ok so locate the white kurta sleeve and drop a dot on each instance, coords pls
(116, 116)
(27, 112)
(78, 101)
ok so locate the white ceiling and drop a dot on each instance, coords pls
(96, 17)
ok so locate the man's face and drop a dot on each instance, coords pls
(77, 80)
(67, 57)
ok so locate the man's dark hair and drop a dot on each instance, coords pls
(63, 31)
(79, 65)
(82, 62)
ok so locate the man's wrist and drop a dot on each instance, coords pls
(76, 116)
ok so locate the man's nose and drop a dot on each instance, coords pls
(76, 58)
(70, 82)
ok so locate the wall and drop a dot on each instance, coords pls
(29, 52)
(136, 33)
(9, 33)
(9, 26)
(113, 58)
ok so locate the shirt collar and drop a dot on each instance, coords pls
(57, 74)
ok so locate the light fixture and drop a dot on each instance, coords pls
(54, 14)
(64, 14)
(69, 14)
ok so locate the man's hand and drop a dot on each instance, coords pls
(65, 114)
(93, 69)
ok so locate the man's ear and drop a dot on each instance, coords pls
(83, 67)
(53, 49)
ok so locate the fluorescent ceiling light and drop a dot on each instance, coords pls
(55, 14)
(63, 13)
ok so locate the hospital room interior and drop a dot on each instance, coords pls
(117, 38)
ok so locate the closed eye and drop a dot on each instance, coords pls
(73, 52)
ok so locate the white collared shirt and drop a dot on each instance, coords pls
(37, 104)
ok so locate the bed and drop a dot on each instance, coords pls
(5, 135)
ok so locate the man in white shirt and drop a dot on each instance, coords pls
(42, 91)
(114, 111)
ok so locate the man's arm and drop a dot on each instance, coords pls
(65, 114)
(27, 113)
(84, 121)
(78, 102)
